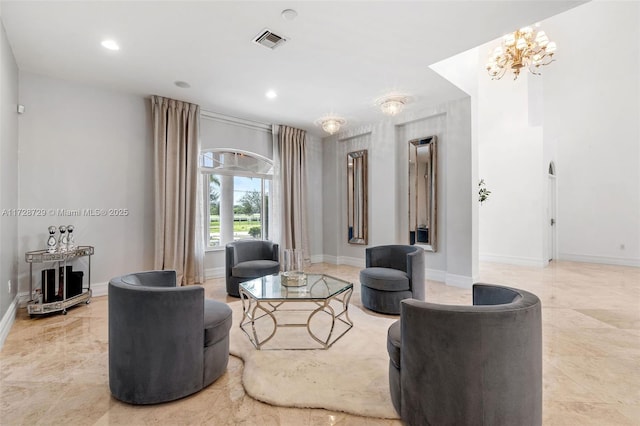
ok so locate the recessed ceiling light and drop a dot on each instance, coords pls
(110, 44)
(271, 94)
(289, 14)
(182, 84)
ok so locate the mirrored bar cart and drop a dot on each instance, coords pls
(61, 287)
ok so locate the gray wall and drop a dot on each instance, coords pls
(83, 147)
(387, 145)
(315, 201)
(8, 180)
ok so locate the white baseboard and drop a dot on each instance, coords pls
(23, 299)
(326, 258)
(214, 272)
(513, 260)
(317, 258)
(599, 259)
(7, 320)
(461, 281)
(99, 289)
(436, 275)
(343, 260)
(351, 261)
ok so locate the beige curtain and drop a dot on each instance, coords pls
(291, 178)
(176, 128)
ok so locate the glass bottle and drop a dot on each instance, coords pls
(62, 239)
(52, 244)
(71, 243)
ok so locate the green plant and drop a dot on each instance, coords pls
(483, 192)
(255, 232)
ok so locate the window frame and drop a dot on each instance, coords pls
(206, 171)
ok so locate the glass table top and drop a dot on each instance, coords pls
(319, 287)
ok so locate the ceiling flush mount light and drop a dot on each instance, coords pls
(271, 94)
(331, 123)
(527, 47)
(392, 104)
(110, 44)
(182, 84)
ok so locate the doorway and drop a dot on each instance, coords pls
(551, 212)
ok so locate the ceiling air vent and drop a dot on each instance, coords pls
(268, 38)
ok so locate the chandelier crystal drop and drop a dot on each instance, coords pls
(526, 48)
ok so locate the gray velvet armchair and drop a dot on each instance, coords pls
(392, 273)
(247, 260)
(468, 365)
(165, 342)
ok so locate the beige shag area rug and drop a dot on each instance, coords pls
(351, 376)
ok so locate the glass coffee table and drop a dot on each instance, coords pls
(321, 306)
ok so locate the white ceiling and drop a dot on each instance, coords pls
(339, 58)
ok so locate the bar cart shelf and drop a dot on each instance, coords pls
(36, 306)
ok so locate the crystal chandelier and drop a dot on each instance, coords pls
(526, 47)
(331, 124)
(392, 104)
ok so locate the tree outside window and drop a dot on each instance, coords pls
(237, 197)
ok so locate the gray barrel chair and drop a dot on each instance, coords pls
(392, 273)
(468, 365)
(165, 342)
(247, 260)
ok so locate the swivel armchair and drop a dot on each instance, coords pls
(165, 342)
(392, 273)
(468, 365)
(247, 260)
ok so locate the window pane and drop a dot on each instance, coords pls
(207, 159)
(238, 209)
(214, 210)
(247, 209)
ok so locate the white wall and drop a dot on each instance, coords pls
(511, 164)
(83, 147)
(591, 113)
(8, 183)
(387, 142)
(217, 131)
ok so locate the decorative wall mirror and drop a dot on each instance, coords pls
(357, 197)
(423, 161)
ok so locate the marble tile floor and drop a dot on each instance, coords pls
(53, 370)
